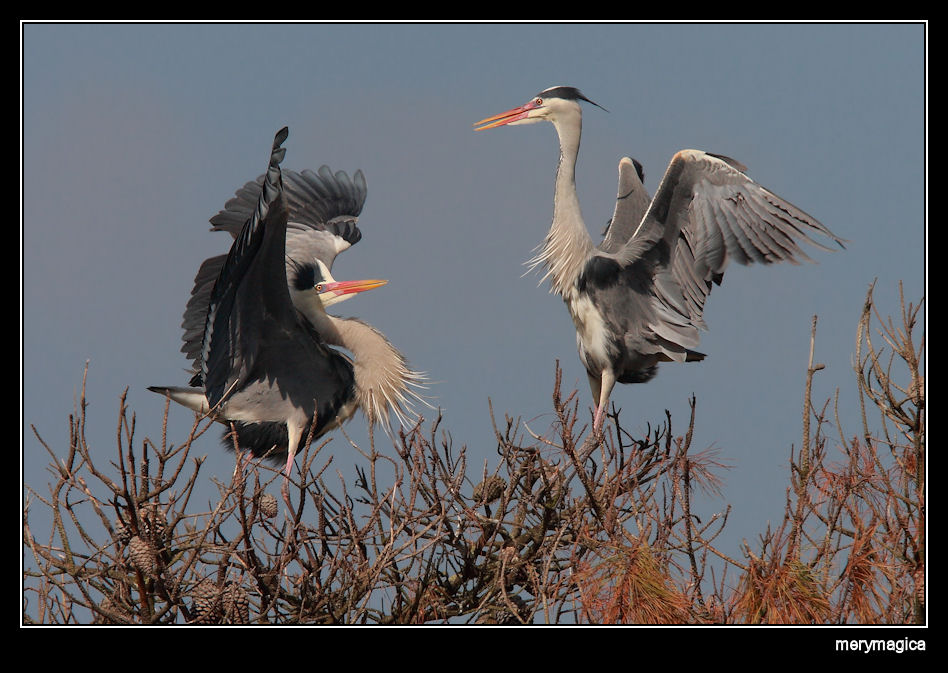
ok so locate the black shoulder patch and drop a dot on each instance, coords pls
(599, 272)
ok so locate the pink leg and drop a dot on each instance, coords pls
(293, 435)
(597, 420)
(607, 384)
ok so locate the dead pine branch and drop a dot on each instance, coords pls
(555, 526)
(851, 546)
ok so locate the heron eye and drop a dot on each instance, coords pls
(539, 101)
(319, 287)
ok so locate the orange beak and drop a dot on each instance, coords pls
(513, 115)
(342, 287)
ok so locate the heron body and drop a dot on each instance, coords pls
(637, 298)
(263, 356)
(322, 221)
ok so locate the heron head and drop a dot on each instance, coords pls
(548, 105)
(316, 277)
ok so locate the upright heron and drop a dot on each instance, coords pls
(637, 299)
(262, 355)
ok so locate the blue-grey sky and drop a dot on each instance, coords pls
(134, 135)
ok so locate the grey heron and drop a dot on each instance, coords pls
(637, 299)
(256, 328)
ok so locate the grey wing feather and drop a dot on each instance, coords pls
(195, 314)
(631, 204)
(312, 198)
(323, 209)
(707, 213)
(244, 281)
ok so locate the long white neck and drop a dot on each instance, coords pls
(567, 244)
(384, 382)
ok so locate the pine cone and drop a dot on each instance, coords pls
(143, 555)
(109, 606)
(500, 613)
(489, 490)
(154, 522)
(121, 534)
(235, 603)
(207, 602)
(268, 505)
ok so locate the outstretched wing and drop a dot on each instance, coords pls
(246, 292)
(322, 209)
(705, 214)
